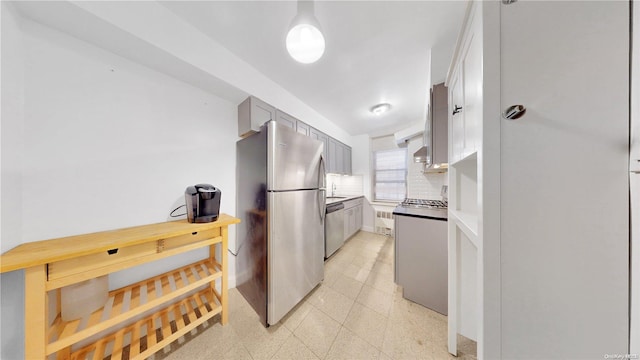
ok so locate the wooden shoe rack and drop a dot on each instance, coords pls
(137, 320)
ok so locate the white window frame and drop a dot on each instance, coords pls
(375, 171)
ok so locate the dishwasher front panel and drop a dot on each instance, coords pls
(334, 231)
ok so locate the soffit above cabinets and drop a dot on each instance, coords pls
(376, 50)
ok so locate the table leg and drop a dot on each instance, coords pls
(224, 285)
(35, 308)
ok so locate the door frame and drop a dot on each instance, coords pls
(489, 196)
(634, 326)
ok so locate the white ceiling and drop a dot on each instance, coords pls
(376, 51)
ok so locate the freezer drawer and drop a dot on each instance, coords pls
(295, 248)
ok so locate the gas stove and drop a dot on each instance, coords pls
(424, 204)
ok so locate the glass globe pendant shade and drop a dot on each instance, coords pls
(305, 42)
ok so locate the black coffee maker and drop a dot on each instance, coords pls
(203, 203)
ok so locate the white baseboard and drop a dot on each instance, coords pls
(368, 229)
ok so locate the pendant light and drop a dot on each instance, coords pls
(305, 42)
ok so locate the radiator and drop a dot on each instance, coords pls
(384, 222)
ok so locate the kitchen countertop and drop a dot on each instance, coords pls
(341, 199)
(436, 214)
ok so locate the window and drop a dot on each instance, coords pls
(390, 175)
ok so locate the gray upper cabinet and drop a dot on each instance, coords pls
(286, 119)
(339, 158)
(440, 124)
(336, 157)
(252, 113)
(320, 136)
(346, 165)
(303, 128)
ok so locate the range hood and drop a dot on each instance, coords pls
(434, 152)
(422, 155)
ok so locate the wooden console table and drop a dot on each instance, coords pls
(187, 296)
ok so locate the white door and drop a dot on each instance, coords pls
(634, 166)
(456, 105)
(564, 179)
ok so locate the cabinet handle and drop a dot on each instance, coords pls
(456, 109)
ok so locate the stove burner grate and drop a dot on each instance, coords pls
(422, 203)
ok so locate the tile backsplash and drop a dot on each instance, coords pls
(344, 185)
(422, 185)
(425, 186)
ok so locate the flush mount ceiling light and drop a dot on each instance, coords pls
(380, 108)
(305, 42)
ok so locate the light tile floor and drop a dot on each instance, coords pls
(356, 313)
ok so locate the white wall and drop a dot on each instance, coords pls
(166, 41)
(92, 141)
(361, 164)
(107, 144)
(11, 284)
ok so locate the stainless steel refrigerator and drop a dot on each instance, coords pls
(281, 202)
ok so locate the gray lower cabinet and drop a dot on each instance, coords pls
(421, 261)
(348, 219)
(286, 119)
(352, 217)
(252, 113)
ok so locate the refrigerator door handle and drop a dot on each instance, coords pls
(322, 202)
(322, 181)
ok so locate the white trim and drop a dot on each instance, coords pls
(458, 48)
(368, 229)
(634, 331)
(489, 192)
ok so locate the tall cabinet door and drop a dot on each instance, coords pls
(286, 119)
(346, 165)
(320, 136)
(336, 156)
(456, 109)
(303, 128)
(564, 222)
